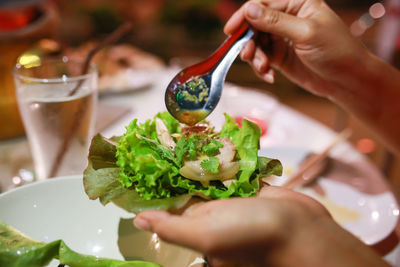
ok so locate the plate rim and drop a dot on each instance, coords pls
(38, 183)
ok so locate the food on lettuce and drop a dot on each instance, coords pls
(18, 250)
(160, 164)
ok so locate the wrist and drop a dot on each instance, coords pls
(360, 81)
(301, 246)
(322, 242)
(370, 91)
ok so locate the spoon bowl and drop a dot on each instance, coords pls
(195, 91)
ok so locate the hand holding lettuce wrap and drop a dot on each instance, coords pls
(160, 164)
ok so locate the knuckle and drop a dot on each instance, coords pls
(309, 30)
(272, 17)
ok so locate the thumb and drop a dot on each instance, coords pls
(147, 220)
(276, 22)
(182, 230)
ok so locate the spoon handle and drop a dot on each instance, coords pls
(224, 56)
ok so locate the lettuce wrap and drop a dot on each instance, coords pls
(160, 164)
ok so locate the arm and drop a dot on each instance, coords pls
(372, 93)
(278, 228)
(312, 47)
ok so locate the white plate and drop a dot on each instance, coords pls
(371, 213)
(59, 209)
(126, 81)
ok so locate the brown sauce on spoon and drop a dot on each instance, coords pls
(191, 117)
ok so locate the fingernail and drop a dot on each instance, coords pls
(269, 77)
(253, 11)
(142, 224)
(144, 219)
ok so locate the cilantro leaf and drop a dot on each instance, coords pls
(210, 164)
(212, 148)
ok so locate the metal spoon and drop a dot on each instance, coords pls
(195, 91)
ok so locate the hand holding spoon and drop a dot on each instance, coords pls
(195, 91)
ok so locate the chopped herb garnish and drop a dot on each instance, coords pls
(210, 164)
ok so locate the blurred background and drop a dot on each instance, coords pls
(181, 32)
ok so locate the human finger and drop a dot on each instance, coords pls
(260, 61)
(234, 22)
(289, 6)
(237, 18)
(171, 228)
(268, 76)
(210, 226)
(247, 53)
(276, 192)
(273, 21)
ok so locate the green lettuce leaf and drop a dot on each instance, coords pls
(246, 141)
(172, 124)
(19, 250)
(136, 172)
(100, 175)
(132, 202)
(267, 166)
(102, 183)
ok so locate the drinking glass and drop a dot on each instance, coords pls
(58, 107)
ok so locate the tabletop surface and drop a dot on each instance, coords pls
(286, 128)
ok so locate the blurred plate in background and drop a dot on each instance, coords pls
(356, 194)
(59, 209)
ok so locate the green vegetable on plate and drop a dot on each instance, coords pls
(160, 164)
(19, 250)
